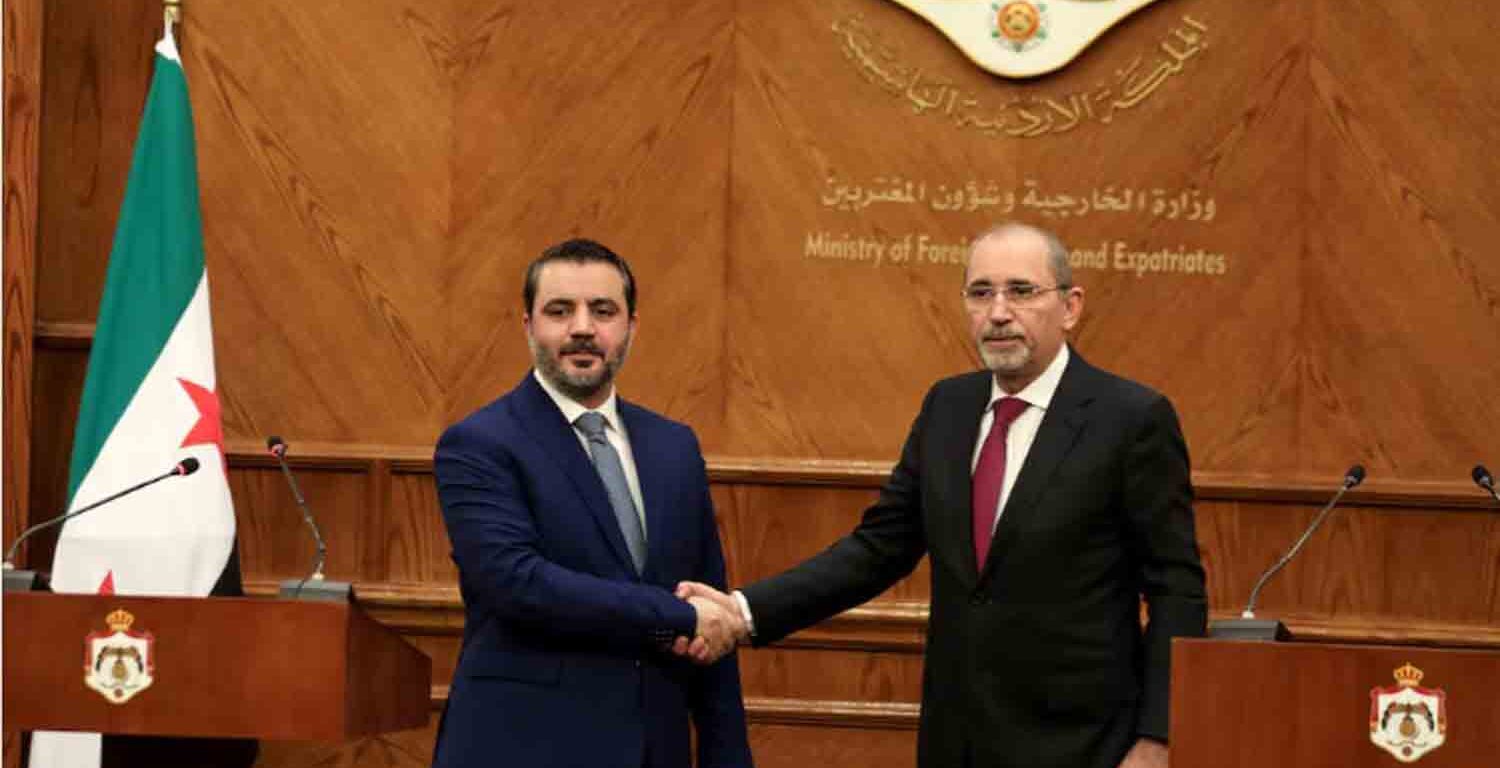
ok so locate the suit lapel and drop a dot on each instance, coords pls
(1061, 425)
(651, 474)
(957, 428)
(547, 426)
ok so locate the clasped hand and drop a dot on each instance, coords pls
(720, 625)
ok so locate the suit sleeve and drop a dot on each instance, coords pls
(496, 546)
(717, 702)
(1158, 500)
(884, 548)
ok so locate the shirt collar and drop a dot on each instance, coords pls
(572, 409)
(1040, 391)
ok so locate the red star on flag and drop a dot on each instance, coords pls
(208, 430)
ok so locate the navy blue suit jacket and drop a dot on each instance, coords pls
(565, 658)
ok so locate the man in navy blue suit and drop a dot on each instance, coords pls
(572, 515)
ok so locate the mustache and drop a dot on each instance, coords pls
(1002, 336)
(574, 347)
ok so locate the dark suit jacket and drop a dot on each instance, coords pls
(1041, 659)
(565, 659)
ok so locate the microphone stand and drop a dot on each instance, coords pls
(1248, 626)
(313, 586)
(19, 580)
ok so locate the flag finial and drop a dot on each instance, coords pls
(171, 12)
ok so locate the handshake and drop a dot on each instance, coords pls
(720, 628)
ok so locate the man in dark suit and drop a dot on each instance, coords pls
(1052, 498)
(572, 514)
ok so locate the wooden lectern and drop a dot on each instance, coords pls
(219, 667)
(1309, 705)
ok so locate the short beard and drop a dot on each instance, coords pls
(579, 387)
(1005, 363)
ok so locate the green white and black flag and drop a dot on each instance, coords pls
(150, 399)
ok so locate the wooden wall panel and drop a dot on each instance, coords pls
(97, 70)
(274, 541)
(22, 56)
(1402, 564)
(767, 529)
(870, 339)
(782, 745)
(832, 675)
(322, 223)
(401, 749)
(1270, 364)
(367, 233)
(414, 547)
(376, 174)
(608, 120)
(22, 126)
(1402, 234)
(1382, 569)
(57, 384)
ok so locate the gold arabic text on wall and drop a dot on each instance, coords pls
(1022, 116)
(1156, 202)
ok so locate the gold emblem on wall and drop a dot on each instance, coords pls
(1407, 720)
(119, 664)
(1023, 38)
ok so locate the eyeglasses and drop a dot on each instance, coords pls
(982, 296)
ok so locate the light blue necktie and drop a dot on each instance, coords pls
(612, 472)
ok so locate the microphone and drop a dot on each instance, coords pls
(1247, 627)
(320, 589)
(1483, 479)
(24, 580)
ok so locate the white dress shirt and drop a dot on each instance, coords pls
(1038, 397)
(614, 432)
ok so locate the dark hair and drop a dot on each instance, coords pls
(578, 251)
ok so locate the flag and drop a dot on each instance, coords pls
(150, 397)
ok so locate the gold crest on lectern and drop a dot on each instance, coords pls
(119, 663)
(1407, 720)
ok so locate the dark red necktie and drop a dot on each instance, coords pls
(989, 475)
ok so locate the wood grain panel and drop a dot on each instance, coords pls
(57, 379)
(274, 542)
(768, 529)
(22, 124)
(856, 739)
(607, 120)
(831, 675)
(785, 746)
(1400, 218)
(415, 547)
(97, 70)
(800, 346)
(375, 175)
(1331, 688)
(399, 749)
(800, 125)
(318, 248)
(1363, 563)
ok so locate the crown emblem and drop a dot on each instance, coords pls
(1408, 676)
(120, 620)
